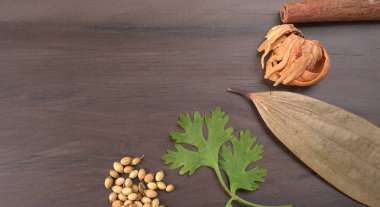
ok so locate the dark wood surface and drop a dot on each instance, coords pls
(83, 83)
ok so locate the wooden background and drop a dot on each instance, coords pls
(83, 83)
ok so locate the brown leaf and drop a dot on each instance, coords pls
(340, 146)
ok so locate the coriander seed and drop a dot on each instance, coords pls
(126, 191)
(141, 174)
(135, 188)
(138, 203)
(117, 189)
(117, 203)
(128, 182)
(112, 197)
(118, 167)
(149, 178)
(114, 174)
(126, 161)
(169, 188)
(152, 186)
(132, 196)
(160, 176)
(127, 202)
(122, 197)
(128, 169)
(155, 202)
(150, 193)
(108, 182)
(133, 174)
(136, 161)
(161, 185)
(141, 188)
(146, 199)
(119, 181)
(139, 196)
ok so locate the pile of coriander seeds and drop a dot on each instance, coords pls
(132, 187)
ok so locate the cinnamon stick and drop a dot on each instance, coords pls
(330, 10)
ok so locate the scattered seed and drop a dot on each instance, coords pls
(141, 188)
(128, 182)
(133, 174)
(117, 189)
(160, 176)
(169, 188)
(132, 196)
(147, 205)
(126, 160)
(119, 181)
(146, 199)
(155, 202)
(150, 193)
(118, 167)
(108, 182)
(122, 197)
(128, 169)
(117, 203)
(135, 188)
(161, 185)
(114, 174)
(126, 191)
(152, 186)
(127, 202)
(139, 196)
(138, 204)
(112, 197)
(136, 161)
(141, 174)
(149, 178)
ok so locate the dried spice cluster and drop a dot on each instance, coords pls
(127, 192)
(293, 60)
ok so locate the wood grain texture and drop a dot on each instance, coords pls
(83, 83)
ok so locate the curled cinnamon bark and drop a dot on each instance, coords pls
(293, 60)
(330, 10)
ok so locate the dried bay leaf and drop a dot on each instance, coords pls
(340, 146)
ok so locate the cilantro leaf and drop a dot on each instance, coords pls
(235, 162)
(207, 150)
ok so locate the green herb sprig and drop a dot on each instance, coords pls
(214, 152)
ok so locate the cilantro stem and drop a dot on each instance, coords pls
(221, 181)
(236, 197)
